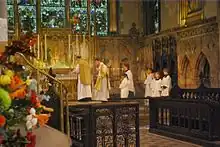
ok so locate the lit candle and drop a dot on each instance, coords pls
(38, 46)
(69, 54)
(45, 45)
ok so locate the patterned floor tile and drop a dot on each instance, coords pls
(153, 140)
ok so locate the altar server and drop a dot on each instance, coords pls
(84, 76)
(131, 88)
(102, 85)
(156, 85)
(148, 83)
(124, 87)
(166, 83)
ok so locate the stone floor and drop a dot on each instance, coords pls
(153, 140)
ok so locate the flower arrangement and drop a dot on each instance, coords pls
(20, 104)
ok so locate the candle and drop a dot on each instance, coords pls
(31, 52)
(45, 46)
(69, 54)
(41, 51)
(38, 46)
(34, 50)
(77, 49)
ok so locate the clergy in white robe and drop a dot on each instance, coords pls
(83, 72)
(156, 86)
(166, 84)
(124, 87)
(102, 85)
(148, 85)
(131, 88)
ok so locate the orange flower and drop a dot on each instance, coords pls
(42, 119)
(2, 121)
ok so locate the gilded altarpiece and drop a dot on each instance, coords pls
(58, 49)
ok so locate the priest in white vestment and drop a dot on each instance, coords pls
(84, 76)
(166, 83)
(102, 85)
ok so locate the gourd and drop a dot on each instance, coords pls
(5, 80)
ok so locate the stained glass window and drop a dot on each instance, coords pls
(78, 16)
(10, 10)
(52, 13)
(27, 15)
(101, 17)
(98, 14)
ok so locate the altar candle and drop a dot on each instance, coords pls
(38, 46)
(69, 54)
(34, 49)
(41, 51)
(31, 52)
(84, 40)
(45, 46)
(77, 49)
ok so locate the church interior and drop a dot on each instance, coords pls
(182, 36)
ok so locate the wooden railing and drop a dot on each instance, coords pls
(42, 79)
(189, 114)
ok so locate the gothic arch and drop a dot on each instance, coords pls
(202, 70)
(185, 68)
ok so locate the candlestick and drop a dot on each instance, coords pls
(38, 46)
(45, 46)
(69, 54)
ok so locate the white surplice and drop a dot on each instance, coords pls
(148, 86)
(124, 88)
(83, 91)
(103, 93)
(156, 88)
(131, 81)
(166, 82)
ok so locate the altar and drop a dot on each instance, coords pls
(69, 80)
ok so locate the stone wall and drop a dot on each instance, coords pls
(195, 45)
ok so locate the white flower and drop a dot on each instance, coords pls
(31, 120)
(32, 111)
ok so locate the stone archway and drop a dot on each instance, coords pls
(202, 70)
(185, 68)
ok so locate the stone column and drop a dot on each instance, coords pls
(218, 20)
(113, 16)
(3, 25)
(38, 15)
(17, 21)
